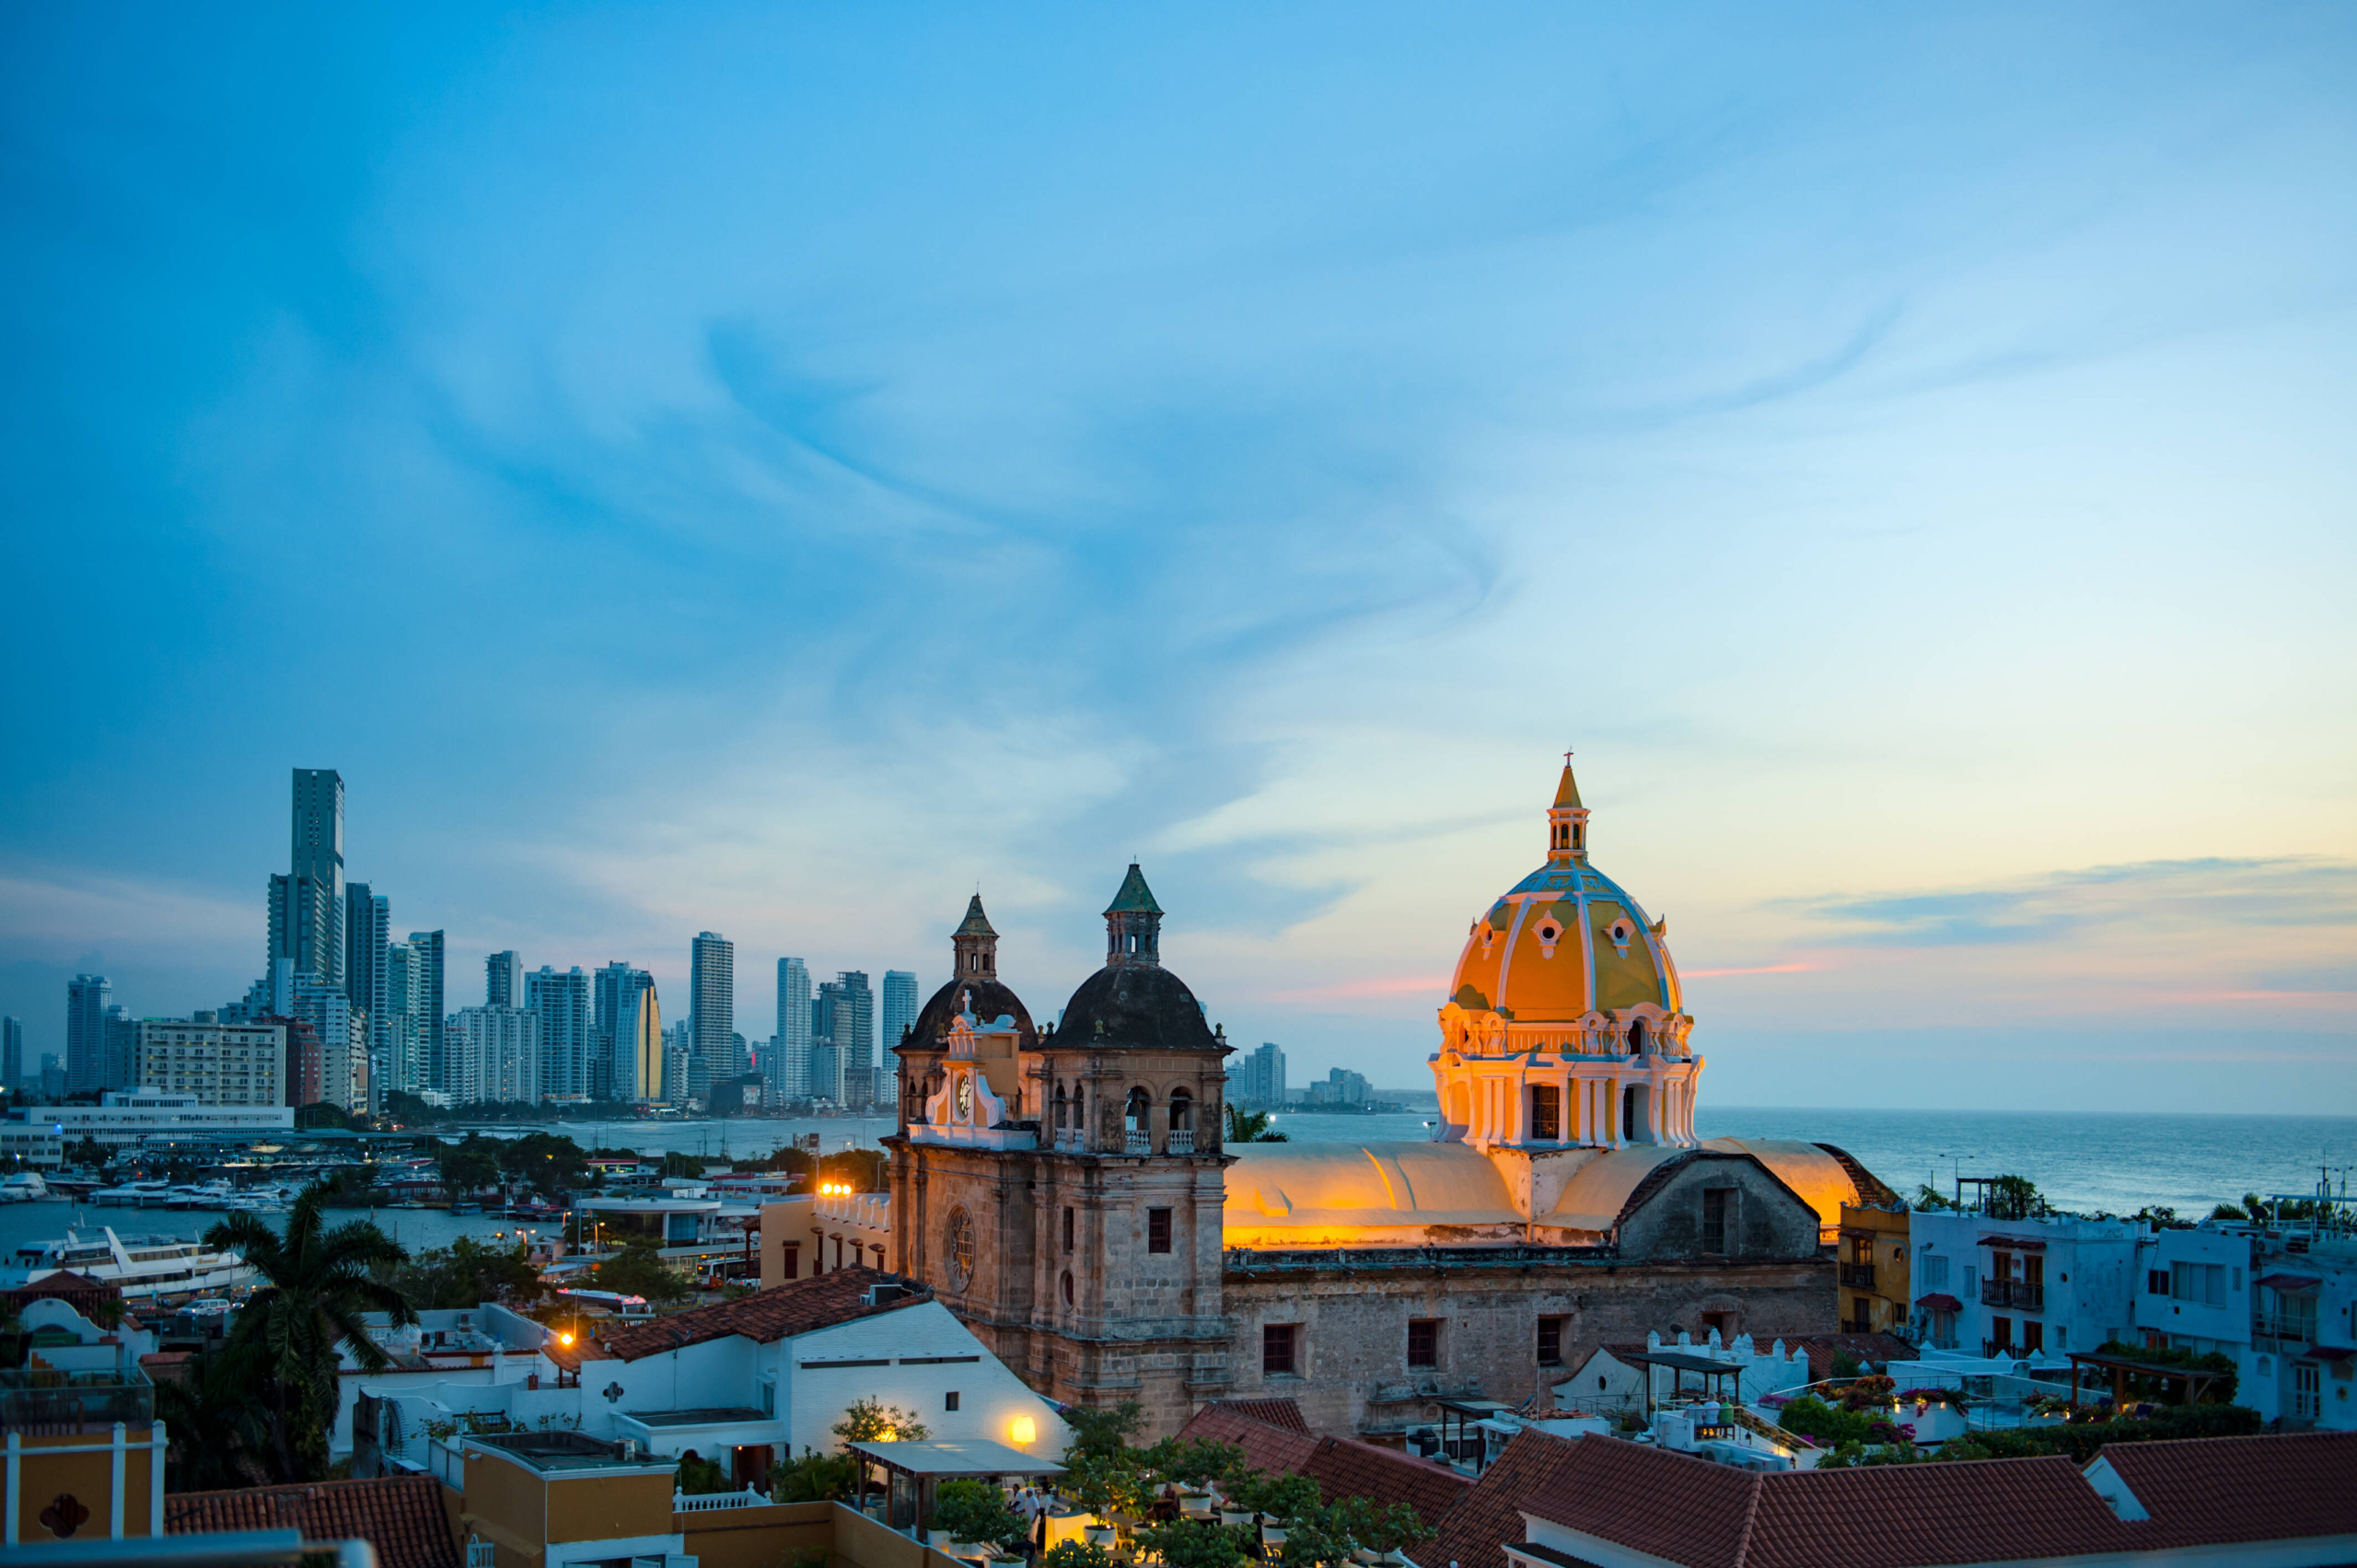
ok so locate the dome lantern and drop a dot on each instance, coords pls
(976, 944)
(1134, 923)
(1566, 821)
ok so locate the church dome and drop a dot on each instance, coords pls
(974, 986)
(1133, 1001)
(1567, 943)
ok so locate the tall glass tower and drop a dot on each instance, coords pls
(789, 1064)
(307, 904)
(712, 1012)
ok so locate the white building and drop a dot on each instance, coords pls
(126, 1118)
(751, 1382)
(35, 1144)
(2281, 1302)
(492, 1053)
(216, 1064)
(2058, 1283)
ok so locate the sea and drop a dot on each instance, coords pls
(2082, 1161)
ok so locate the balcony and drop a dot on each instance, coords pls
(2026, 1296)
(1858, 1276)
(1136, 1143)
(2292, 1328)
(1068, 1140)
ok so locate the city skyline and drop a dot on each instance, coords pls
(1928, 420)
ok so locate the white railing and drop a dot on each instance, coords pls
(1182, 1141)
(1137, 1143)
(709, 1501)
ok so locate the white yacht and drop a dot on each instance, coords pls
(135, 1195)
(23, 1188)
(143, 1266)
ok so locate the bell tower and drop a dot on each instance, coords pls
(1134, 923)
(1566, 821)
(975, 944)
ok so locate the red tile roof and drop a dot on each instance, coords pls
(1276, 1412)
(401, 1516)
(1341, 1467)
(765, 1316)
(1474, 1533)
(2201, 1492)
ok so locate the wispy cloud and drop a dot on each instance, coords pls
(2290, 891)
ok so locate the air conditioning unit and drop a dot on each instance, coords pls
(876, 1296)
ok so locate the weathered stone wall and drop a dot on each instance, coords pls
(1353, 1311)
(1766, 1219)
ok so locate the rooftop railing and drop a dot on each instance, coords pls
(56, 1402)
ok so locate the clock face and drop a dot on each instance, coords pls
(966, 1096)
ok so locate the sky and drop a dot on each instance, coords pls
(776, 470)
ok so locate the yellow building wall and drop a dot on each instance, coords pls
(758, 1538)
(605, 1507)
(86, 1474)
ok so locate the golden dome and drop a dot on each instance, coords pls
(1566, 945)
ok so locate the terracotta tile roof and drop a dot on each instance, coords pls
(765, 1316)
(2200, 1492)
(1266, 1447)
(1341, 1467)
(1474, 1533)
(1877, 1348)
(2212, 1491)
(401, 1516)
(1276, 1412)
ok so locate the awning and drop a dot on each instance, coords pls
(2330, 1353)
(1941, 1303)
(2290, 1282)
(2015, 1243)
(968, 1457)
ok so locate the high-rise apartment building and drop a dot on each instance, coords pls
(52, 1075)
(220, 1063)
(306, 910)
(425, 1001)
(12, 1053)
(404, 1048)
(561, 1005)
(849, 1008)
(826, 1071)
(367, 939)
(118, 1060)
(899, 1008)
(340, 1036)
(1261, 1078)
(789, 1065)
(503, 980)
(712, 1010)
(88, 996)
(494, 1055)
(620, 1053)
(679, 1051)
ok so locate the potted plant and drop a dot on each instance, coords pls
(971, 1513)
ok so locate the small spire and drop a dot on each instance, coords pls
(1567, 792)
(1134, 923)
(976, 923)
(1566, 821)
(1135, 897)
(975, 944)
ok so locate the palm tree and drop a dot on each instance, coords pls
(219, 1427)
(316, 1284)
(1250, 1127)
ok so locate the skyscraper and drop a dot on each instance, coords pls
(619, 1065)
(712, 1010)
(851, 1029)
(503, 980)
(368, 941)
(562, 1008)
(900, 1012)
(404, 1049)
(789, 1068)
(678, 1052)
(307, 904)
(88, 996)
(494, 1055)
(118, 1062)
(1261, 1083)
(425, 1001)
(12, 1053)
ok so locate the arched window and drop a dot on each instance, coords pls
(1182, 1110)
(1138, 1117)
(1060, 1108)
(1637, 1037)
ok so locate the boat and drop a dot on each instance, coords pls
(211, 1195)
(134, 1195)
(466, 1208)
(23, 1188)
(144, 1267)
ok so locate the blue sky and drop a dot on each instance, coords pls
(774, 469)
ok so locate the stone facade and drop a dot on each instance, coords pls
(1350, 1314)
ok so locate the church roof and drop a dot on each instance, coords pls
(1314, 1194)
(1567, 790)
(976, 923)
(1136, 1005)
(990, 999)
(1135, 897)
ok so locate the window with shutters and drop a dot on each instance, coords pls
(1158, 1230)
(1424, 1342)
(1277, 1341)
